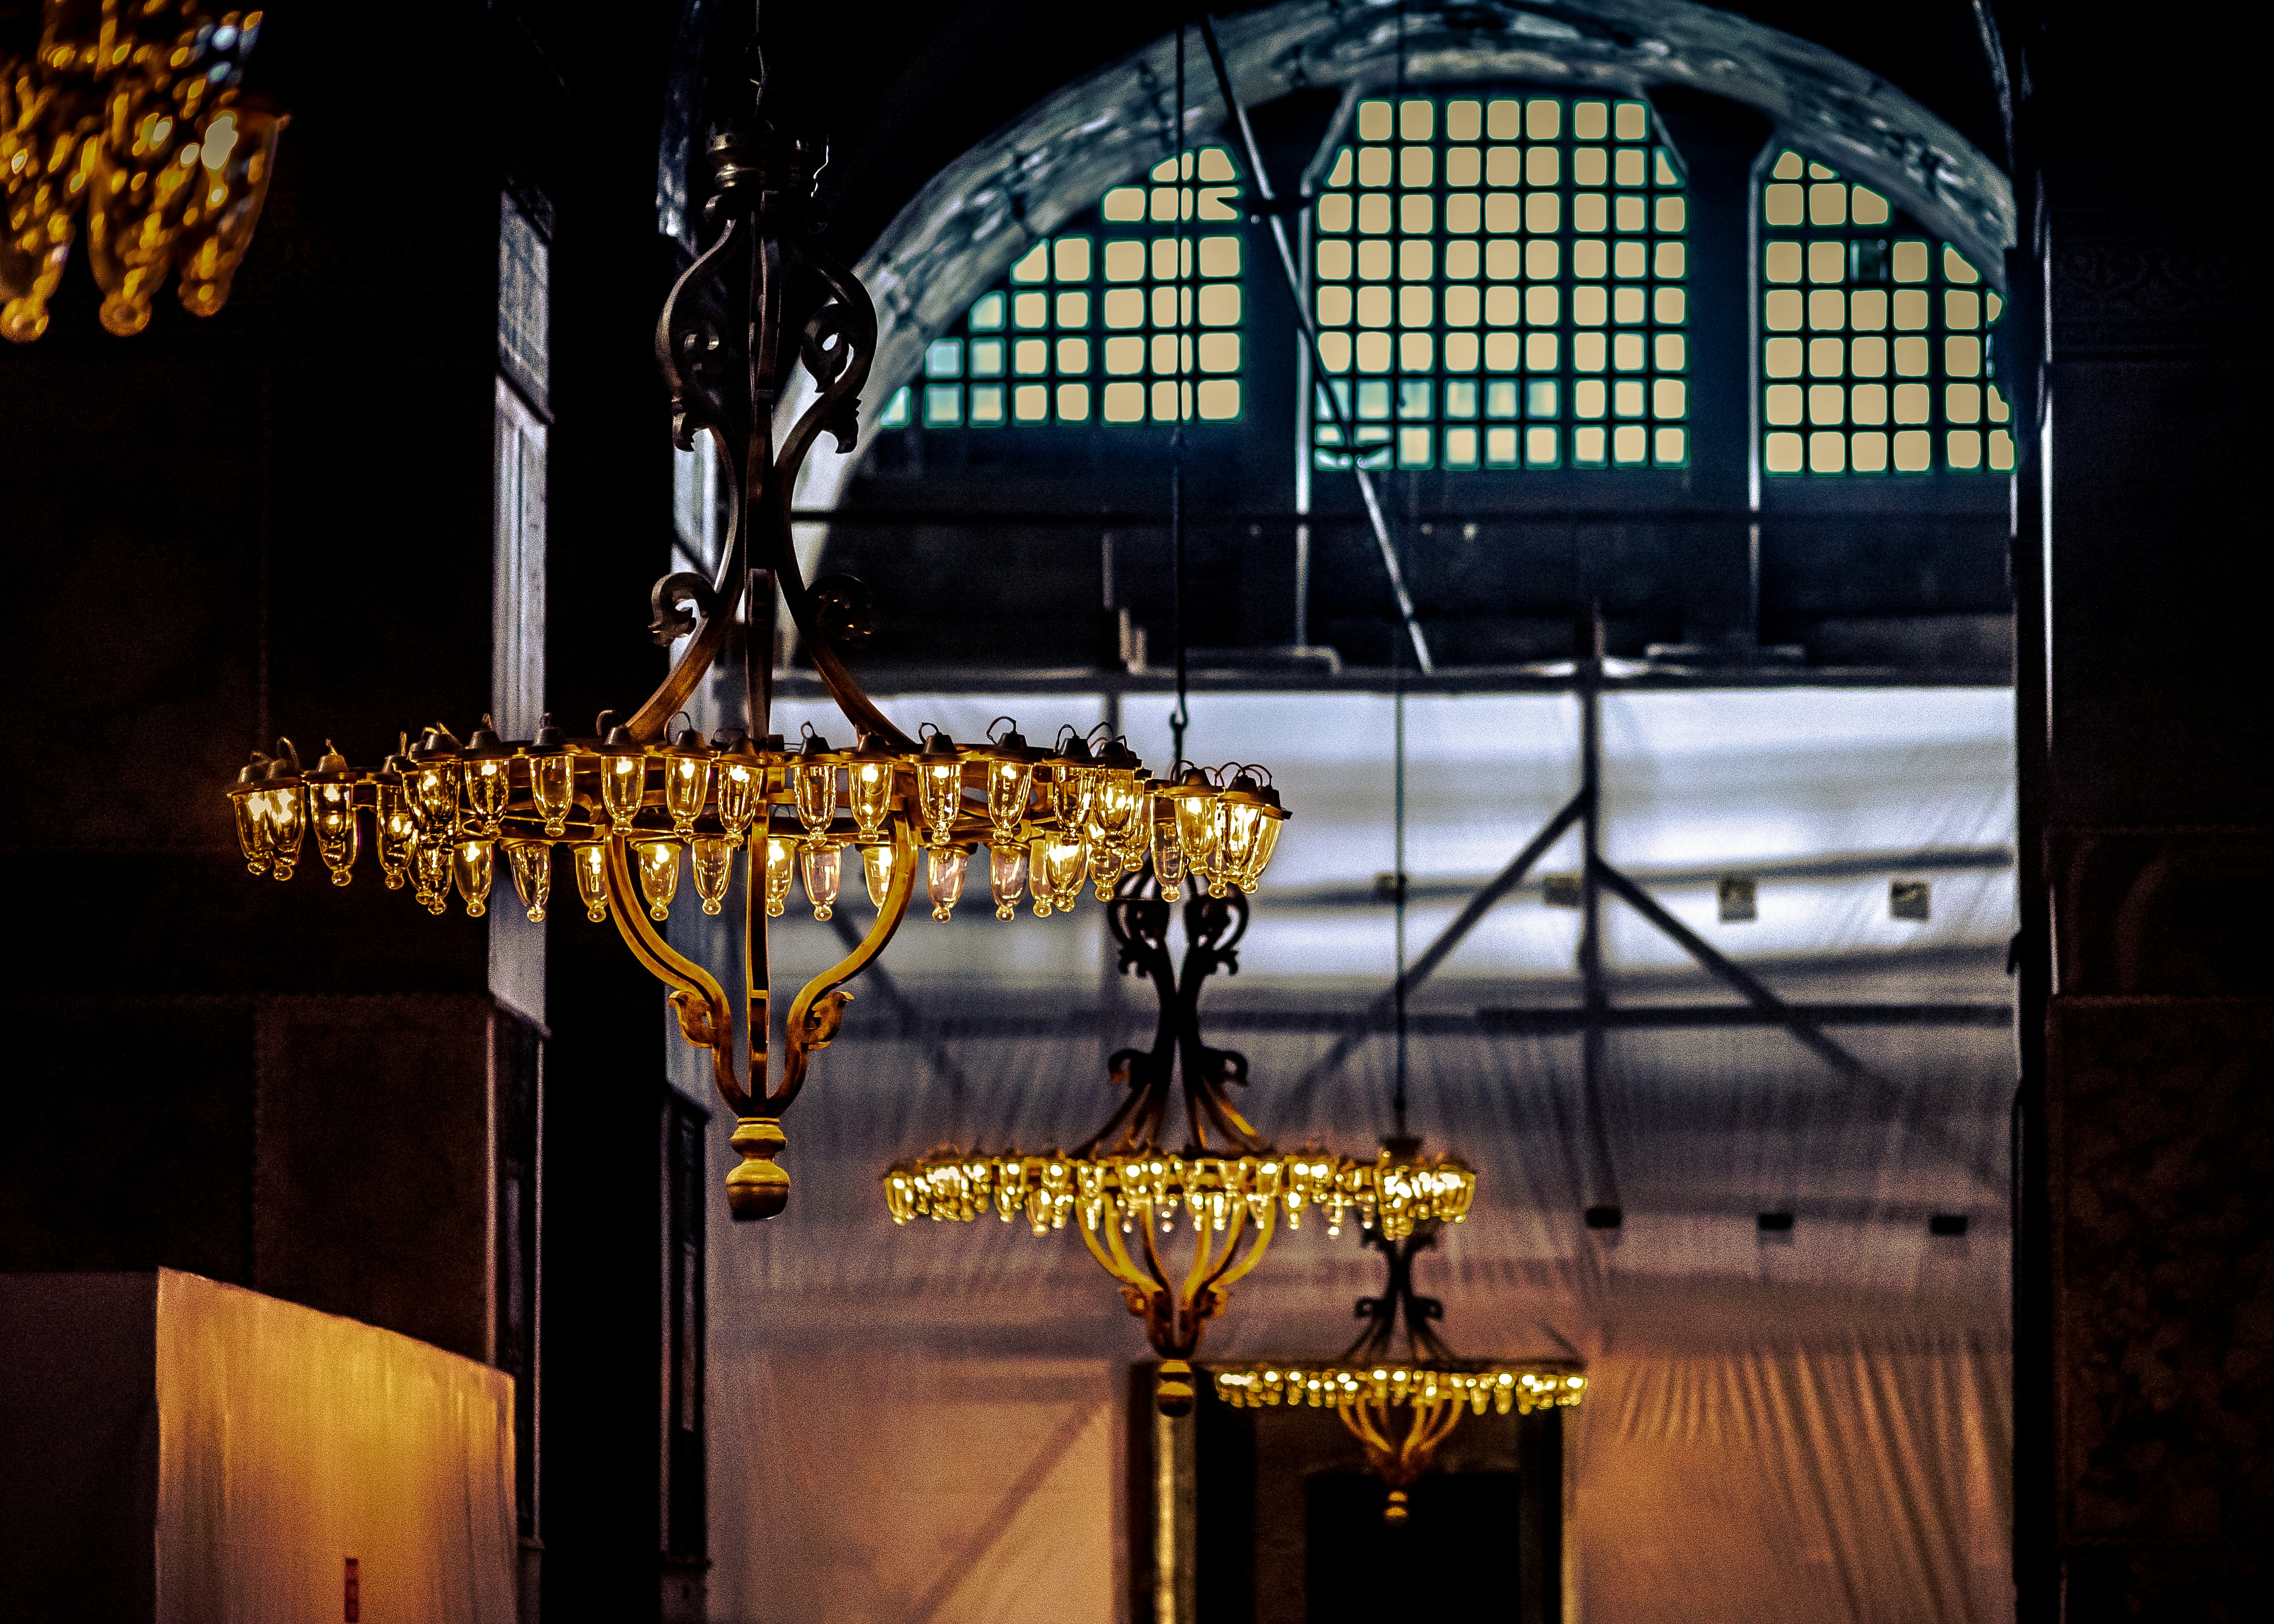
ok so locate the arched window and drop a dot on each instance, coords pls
(1875, 353)
(1498, 282)
(1107, 321)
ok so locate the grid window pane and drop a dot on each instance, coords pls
(1849, 301)
(1132, 315)
(1526, 254)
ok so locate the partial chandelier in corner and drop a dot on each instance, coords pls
(128, 113)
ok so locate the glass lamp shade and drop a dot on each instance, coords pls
(816, 795)
(741, 791)
(939, 787)
(686, 783)
(877, 870)
(1064, 864)
(623, 785)
(229, 185)
(781, 867)
(338, 839)
(1194, 801)
(1006, 874)
(432, 867)
(135, 195)
(1267, 838)
(658, 875)
(473, 865)
(591, 860)
(488, 781)
(869, 787)
(287, 817)
(944, 870)
(1102, 860)
(395, 832)
(1169, 860)
(823, 863)
(553, 786)
(434, 797)
(713, 862)
(252, 831)
(533, 875)
(1008, 783)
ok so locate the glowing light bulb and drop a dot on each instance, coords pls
(592, 862)
(1194, 801)
(532, 861)
(396, 832)
(869, 785)
(782, 867)
(287, 816)
(253, 836)
(822, 862)
(487, 782)
(331, 812)
(877, 870)
(1168, 860)
(713, 858)
(432, 869)
(1006, 874)
(658, 875)
(944, 871)
(551, 786)
(472, 865)
(623, 787)
(741, 791)
(939, 787)
(686, 782)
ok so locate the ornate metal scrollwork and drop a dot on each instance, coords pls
(1139, 920)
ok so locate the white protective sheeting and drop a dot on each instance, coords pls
(290, 1440)
(240, 1450)
(914, 1424)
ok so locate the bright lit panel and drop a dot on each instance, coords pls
(1499, 283)
(1875, 340)
(1136, 315)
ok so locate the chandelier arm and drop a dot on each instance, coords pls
(1231, 1273)
(1128, 1107)
(1116, 1264)
(849, 320)
(814, 1017)
(649, 722)
(706, 1018)
(1234, 1127)
(1361, 1420)
(1153, 1260)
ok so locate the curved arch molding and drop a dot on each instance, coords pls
(983, 211)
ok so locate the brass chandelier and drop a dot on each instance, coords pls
(128, 114)
(1124, 1187)
(631, 800)
(1399, 1388)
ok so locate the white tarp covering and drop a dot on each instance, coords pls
(917, 1424)
(241, 1450)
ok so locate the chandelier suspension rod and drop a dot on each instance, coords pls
(1375, 519)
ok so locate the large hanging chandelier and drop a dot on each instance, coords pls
(128, 114)
(634, 804)
(1124, 1188)
(1399, 1388)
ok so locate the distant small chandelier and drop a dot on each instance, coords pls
(130, 111)
(631, 798)
(1123, 1190)
(1373, 1378)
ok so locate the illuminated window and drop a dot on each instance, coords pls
(1499, 283)
(1875, 343)
(1109, 323)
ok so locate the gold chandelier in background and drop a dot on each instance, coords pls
(634, 805)
(1375, 1380)
(1123, 1190)
(129, 114)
